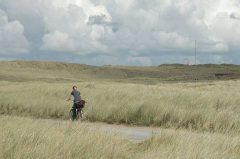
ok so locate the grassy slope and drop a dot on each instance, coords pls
(29, 138)
(56, 71)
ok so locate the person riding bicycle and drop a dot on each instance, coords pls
(76, 102)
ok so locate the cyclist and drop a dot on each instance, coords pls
(76, 102)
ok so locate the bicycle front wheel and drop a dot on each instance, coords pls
(71, 115)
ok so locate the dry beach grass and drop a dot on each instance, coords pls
(193, 119)
(202, 106)
(37, 138)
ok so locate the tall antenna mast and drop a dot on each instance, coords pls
(195, 52)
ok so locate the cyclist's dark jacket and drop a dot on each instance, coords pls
(76, 95)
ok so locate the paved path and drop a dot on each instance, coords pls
(134, 133)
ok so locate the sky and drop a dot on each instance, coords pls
(120, 32)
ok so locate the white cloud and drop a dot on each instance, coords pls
(68, 28)
(58, 41)
(12, 39)
(119, 27)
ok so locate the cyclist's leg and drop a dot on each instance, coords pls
(74, 111)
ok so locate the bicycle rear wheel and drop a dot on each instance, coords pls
(80, 113)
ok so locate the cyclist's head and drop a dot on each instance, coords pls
(74, 87)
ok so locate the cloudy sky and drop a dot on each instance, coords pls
(120, 32)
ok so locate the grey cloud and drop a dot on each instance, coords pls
(234, 15)
(97, 20)
(136, 30)
(29, 14)
(12, 39)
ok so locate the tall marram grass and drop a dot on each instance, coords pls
(212, 106)
(34, 139)
(40, 139)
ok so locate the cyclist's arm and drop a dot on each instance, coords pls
(69, 97)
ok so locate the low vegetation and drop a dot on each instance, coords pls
(210, 107)
(195, 109)
(26, 138)
(22, 71)
(31, 138)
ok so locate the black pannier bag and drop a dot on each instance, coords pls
(81, 104)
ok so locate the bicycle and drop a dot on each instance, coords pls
(79, 111)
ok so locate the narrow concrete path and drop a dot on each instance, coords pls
(132, 132)
(135, 133)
